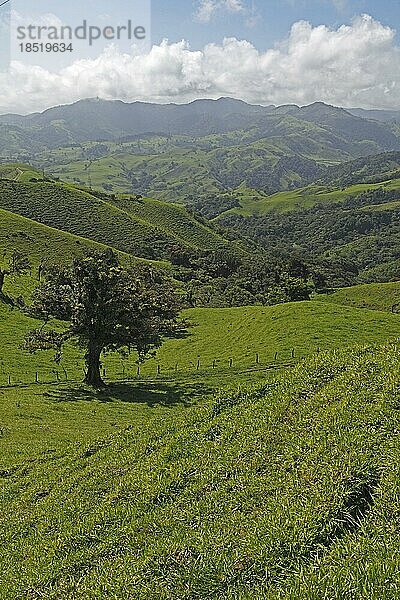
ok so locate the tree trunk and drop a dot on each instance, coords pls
(92, 358)
(2, 278)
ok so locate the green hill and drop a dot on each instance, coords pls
(19, 172)
(217, 336)
(43, 244)
(373, 296)
(189, 152)
(354, 232)
(252, 203)
(137, 231)
(241, 333)
(287, 490)
(174, 220)
(40, 242)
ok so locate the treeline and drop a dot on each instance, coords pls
(224, 278)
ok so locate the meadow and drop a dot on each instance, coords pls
(254, 203)
(374, 296)
(286, 489)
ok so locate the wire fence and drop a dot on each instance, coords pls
(149, 372)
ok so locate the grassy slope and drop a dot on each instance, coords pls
(240, 333)
(39, 241)
(43, 244)
(374, 296)
(82, 214)
(174, 220)
(253, 203)
(218, 334)
(174, 167)
(19, 172)
(285, 490)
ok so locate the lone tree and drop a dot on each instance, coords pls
(108, 308)
(18, 264)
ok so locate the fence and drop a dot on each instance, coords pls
(148, 371)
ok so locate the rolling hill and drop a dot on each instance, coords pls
(342, 182)
(46, 245)
(254, 456)
(216, 337)
(293, 154)
(95, 119)
(146, 228)
(356, 227)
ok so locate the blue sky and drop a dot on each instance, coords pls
(342, 52)
(263, 22)
(174, 19)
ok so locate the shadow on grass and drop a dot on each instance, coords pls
(6, 299)
(153, 394)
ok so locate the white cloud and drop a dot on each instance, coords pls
(234, 5)
(353, 65)
(207, 9)
(47, 19)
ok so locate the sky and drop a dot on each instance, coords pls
(343, 52)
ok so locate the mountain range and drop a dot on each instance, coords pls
(197, 151)
(95, 119)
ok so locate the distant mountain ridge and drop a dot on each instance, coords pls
(95, 119)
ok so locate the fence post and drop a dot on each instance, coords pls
(176, 368)
(257, 359)
(37, 377)
(214, 364)
(276, 356)
(9, 380)
(293, 353)
(158, 369)
(198, 365)
(230, 362)
(138, 371)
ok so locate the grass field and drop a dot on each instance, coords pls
(217, 337)
(19, 172)
(43, 244)
(241, 333)
(287, 490)
(221, 470)
(174, 220)
(40, 242)
(374, 296)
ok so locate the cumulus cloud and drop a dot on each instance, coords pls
(207, 9)
(352, 65)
